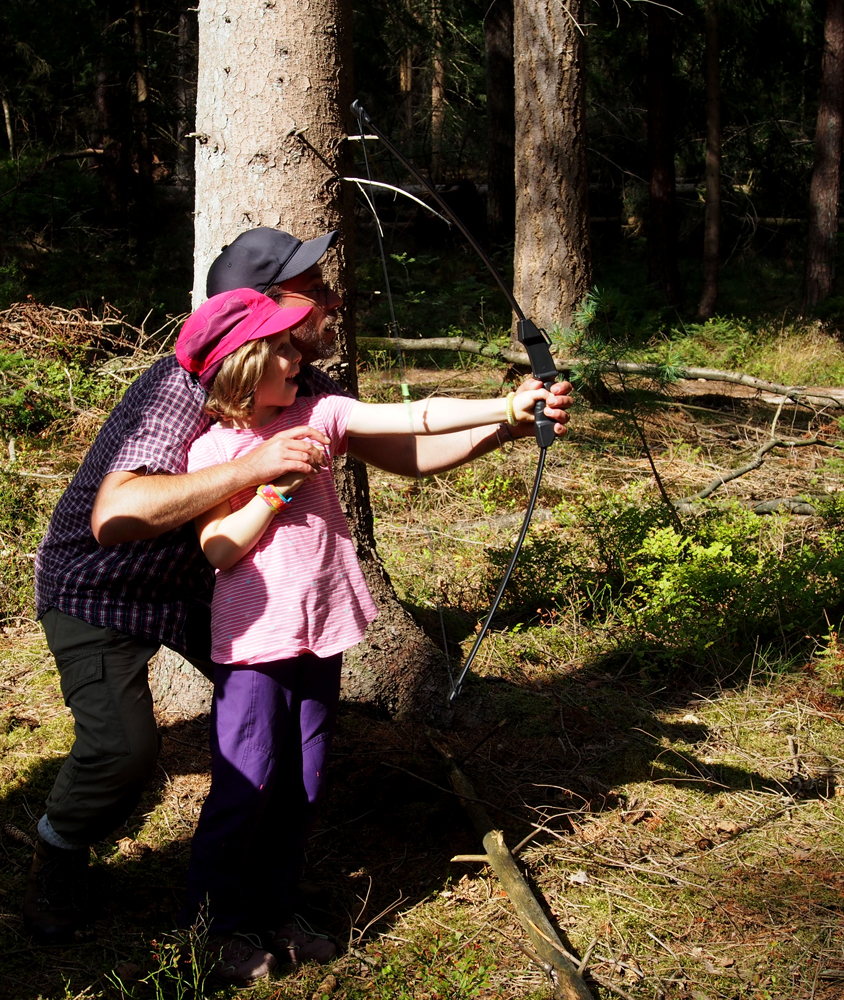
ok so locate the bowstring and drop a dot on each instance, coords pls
(393, 330)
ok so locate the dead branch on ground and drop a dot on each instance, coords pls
(514, 356)
(545, 939)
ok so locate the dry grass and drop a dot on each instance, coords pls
(683, 828)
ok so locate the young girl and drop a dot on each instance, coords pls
(289, 598)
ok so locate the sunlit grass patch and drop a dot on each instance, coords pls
(715, 873)
(790, 353)
(35, 728)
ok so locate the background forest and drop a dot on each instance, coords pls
(96, 199)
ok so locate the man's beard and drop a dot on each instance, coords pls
(312, 344)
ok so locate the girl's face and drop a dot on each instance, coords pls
(277, 388)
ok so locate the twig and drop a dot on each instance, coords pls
(756, 462)
(608, 985)
(487, 736)
(586, 956)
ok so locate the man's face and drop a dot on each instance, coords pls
(314, 338)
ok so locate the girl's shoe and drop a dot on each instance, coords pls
(239, 958)
(296, 942)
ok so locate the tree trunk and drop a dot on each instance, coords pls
(406, 88)
(552, 265)
(7, 118)
(662, 224)
(712, 211)
(185, 95)
(177, 687)
(437, 96)
(501, 122)
(143, 150)
(273, 94)
(111, 113)
(824, 188)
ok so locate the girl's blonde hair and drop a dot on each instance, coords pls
(231, 396)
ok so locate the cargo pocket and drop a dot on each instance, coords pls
(98, 726)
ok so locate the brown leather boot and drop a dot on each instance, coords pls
(239, 959)
(296, 942)
(57, 894)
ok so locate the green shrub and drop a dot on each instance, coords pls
(731, 580)
(34, 392)
(25, 509)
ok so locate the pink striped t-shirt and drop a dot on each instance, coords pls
(300, 590)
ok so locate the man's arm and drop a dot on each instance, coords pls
(426, 455)
(131, 506)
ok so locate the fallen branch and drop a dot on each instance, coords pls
(515, 356)
(756, 462)
(546, 942)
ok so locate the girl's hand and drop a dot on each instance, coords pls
(560, 400)
(524, 402)
(291, 482)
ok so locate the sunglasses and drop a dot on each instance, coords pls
(319, 296)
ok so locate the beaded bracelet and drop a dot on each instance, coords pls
(511, 412)
(505, 429)
(272, 498)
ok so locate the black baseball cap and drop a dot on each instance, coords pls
(262, 257)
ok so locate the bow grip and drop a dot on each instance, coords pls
(535, 343)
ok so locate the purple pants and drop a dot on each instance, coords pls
(271, 730)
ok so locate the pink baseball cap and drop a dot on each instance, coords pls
(228, 321)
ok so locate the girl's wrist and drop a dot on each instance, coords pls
(511, 409)
(272, 497)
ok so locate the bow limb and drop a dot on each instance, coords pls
(405, 389)
(535, 341)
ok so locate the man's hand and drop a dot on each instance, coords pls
(298, 450)
(555, 409)
(131, 506)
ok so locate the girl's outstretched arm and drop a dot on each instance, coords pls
(438, 415)
(226, 536)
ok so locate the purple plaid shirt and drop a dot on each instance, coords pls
(148, 588)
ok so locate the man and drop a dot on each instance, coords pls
(120, 571)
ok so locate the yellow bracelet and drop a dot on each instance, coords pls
(511, 412)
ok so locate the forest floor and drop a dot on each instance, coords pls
(682, 827)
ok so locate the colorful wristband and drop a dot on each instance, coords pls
(272, 498)
(511, 412)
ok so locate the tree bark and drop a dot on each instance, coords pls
(274, 89)
(111, 113)
(712, 210)
(824, 187)
(143, 149)
(501, 122)
(178, 688)
(662, 224)
(437, 96)
(552, 262)
(185, 95)
(273, 92)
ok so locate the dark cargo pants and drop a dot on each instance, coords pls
(105, 683)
